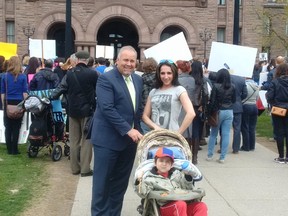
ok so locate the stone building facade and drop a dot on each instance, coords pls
(141, 24)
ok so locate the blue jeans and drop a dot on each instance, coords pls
(225, 123)
(248, 126)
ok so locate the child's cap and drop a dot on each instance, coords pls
(164, 152)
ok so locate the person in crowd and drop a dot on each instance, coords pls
(164, 177)
(249, 116)
(90, 63)
(2, 60)
(13, 91)
(101, 65)
(34, 66)
(257, 70)
(277, 95)
(199, 101)
(58, 63)
(115, 133)
(139, 69)
(188, 82)
(2, 71)
(45, 78)
(271, 71)
(165, 101)
(79, 84)
(149, 70)
(68, 65)
(25, 61)
(241, 94)
(222, 98)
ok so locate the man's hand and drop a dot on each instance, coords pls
(135, 135)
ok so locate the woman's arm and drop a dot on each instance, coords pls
(190, 113)
(147, 115)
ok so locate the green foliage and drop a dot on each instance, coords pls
(264, 126)
(20, 179)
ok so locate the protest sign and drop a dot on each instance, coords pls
(174, 48)
(8, 49)
(105, 51)
(239, 60)
(45, 49)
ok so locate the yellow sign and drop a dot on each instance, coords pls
(8, 49)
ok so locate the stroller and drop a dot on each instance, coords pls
(44, 131)
(146, 151)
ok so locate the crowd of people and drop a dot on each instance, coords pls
(178, 96)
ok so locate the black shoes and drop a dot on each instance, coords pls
(77, 173)
(90, 173)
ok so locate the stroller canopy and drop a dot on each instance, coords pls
(158, 138)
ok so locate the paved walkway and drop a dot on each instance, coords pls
(248, 184)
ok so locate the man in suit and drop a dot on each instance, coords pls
(115, 133)
(241, 93)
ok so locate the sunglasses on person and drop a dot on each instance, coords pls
(167, 61)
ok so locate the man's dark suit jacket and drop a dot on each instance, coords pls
(115, 114)
(241, 92)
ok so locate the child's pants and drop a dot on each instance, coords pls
(181, 208)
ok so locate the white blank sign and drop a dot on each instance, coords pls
(239, 59)
(174, 48)
(105, 51)
(49, 48)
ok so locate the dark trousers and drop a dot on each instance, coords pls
(248, 126)
(12, 130)
(280, 127)
(111, 174)
(237, 119)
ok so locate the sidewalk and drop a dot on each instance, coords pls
(247, 184)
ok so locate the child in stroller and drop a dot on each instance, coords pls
(44, 131)
(171, 188)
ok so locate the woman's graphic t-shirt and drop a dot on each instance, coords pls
(166, 107)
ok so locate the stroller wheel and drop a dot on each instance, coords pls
(66, 149)
(56, 152)
(32, 151)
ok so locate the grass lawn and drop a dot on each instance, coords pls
(21, 178)
(264, 126)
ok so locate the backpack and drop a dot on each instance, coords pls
(38, 128)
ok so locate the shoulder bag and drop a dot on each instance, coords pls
(12, 111)
(212, 119)
(279, 111)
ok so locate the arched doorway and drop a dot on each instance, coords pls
(57, 32)
(170, 31)
(118, 32)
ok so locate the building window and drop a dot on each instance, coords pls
(221, 2)
(221, 35)
(10, 31)
(169, 32)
